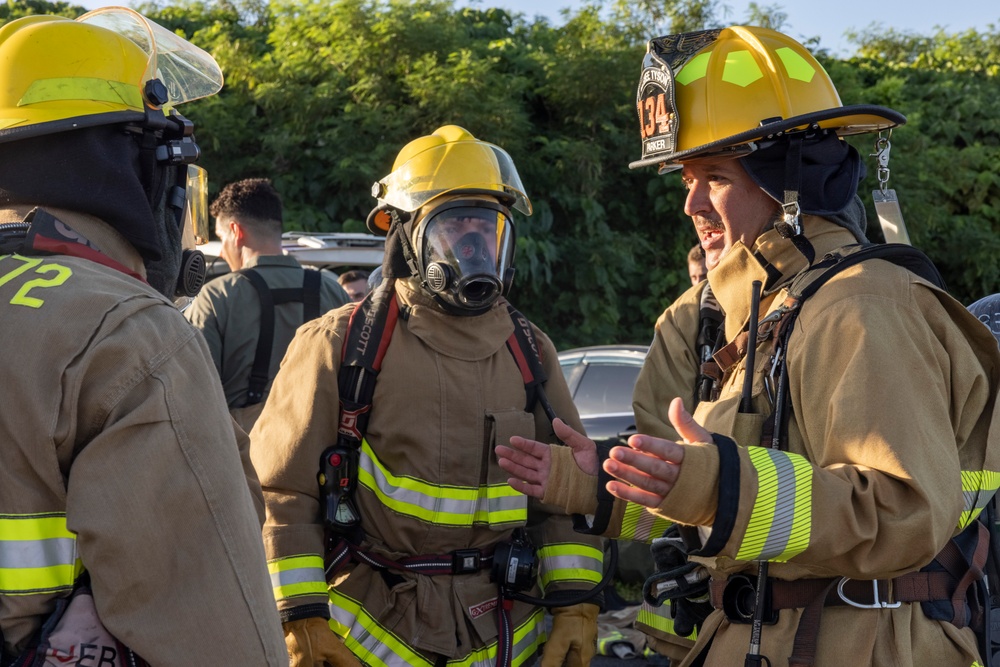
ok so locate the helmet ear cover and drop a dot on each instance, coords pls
(382, 218)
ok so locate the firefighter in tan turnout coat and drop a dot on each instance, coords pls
(122, 483)
(837, 493)
(413, 586)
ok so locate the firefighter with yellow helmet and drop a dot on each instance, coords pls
(128, 529)
(408, 547)
(834, 482)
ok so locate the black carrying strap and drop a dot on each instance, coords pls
(308, 295)
(807, 283)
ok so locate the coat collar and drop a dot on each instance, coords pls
(774, 261)
(88, 231)
(466, 338)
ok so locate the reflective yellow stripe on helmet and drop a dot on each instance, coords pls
(978, 487)
(82, 88)
(571, 562)
(658, 618)
(376, 645)
(37, 554)
(296, 576)
(640, 525)
(781, 518)
(495, 504)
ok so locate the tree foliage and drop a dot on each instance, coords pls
(320, 96)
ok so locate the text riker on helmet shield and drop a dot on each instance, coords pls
(655, 100)
(657, 111)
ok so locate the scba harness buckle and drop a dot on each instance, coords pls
(876, 602)
(466, 561)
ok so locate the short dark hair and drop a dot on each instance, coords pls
(351, 276)
(696, 254)
(252, 201)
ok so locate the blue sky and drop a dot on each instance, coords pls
(826, 19)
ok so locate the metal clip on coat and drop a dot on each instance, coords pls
(890, 216)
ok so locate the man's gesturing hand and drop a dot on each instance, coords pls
(648, 467)
(529, 461)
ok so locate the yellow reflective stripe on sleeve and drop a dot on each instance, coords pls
(375, 644)
(37, 554)
(658, 618)
(641, 525)
(572, 562)
(978, 487)
(296, 576)
(496, 504)
(781, 518)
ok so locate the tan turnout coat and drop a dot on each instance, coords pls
(449, 391)
(892, 443)
(113, 421)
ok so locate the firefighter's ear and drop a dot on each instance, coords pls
(382, 217)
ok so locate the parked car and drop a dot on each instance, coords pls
(321, 250)
(601, 379)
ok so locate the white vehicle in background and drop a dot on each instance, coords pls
(331, 251)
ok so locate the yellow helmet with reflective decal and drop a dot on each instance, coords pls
(108, 66)
(716, 92)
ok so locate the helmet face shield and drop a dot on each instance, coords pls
(188, 72)
(196, 191)
(465, 248)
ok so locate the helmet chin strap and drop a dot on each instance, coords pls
(789, 225)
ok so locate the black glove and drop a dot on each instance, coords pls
(675, 576)
(688, 615)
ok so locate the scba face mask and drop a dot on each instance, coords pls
(465, 248)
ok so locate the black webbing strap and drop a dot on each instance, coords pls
(524, 349)
(368, 334)
(900, 254)
(308, 295)
(808, 283)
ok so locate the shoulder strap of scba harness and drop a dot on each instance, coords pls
(809, 281)
(366, 341)
(308, 295)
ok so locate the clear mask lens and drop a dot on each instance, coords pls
(466, 248)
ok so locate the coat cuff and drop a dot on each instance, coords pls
(693, 500)
(569, 487)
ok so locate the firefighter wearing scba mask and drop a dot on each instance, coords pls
(416, 581)
(832, 483)
(128, 529)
